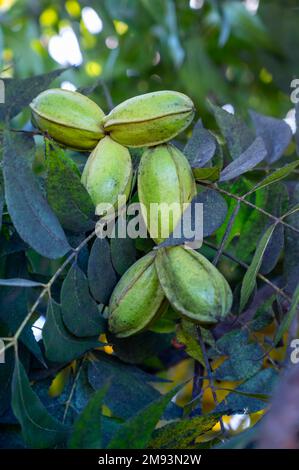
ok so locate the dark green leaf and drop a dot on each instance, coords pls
(187, 334)
(237, 134)
(80, 312)
(244, 357)
(249, 279)
(123, 253)
(129, 391)
(253, 155)
(214, 210)
(39, 428)
(66, 195)
(101, 275)
(138, 348)
(201, 147)
(277, 175)
(250, 396)
(207, 174)
(273, 250)
(276, 134)
(137, 431)
(182, 434)
(60, 345)
(87, 431)
(30, 213)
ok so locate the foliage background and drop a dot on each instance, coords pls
(220, 50)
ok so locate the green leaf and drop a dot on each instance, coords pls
(66, 195)
(288, 318)
(244, 358)
(252, 395)
(87, 431)
(182, 434)
(273, 199)
(276, 134)
(20, 92)
(129, 389)
(101, 275)
(207, 174)
(137, 431)
(20, 282)
(277, 175)
(80, 312)
(137, 348)
(39, 428)
(201, 146)
(60, 345)
(249, 279)
(237, 134)
(33, 218)
(123, 253)
(187, 335)
(253, 155)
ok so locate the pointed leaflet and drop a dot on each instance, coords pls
(137, 431)
(244, 358)
(253, 155)
(129, 388)
(277, 175)
(60, 345)
(66, 195)
(276, 134)
(273, 251)
(123, 252)
(79, 311)
(39, 428)
(250, 276)
(87, 431)
(201, 146)
(20, 282)
(182, 434)
(237, 134)
(20, 92)
(32, 217)
(207, 174)
(251, 394)
(101, 275)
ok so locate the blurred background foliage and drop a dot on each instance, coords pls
(240, 52)
(243, 54)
